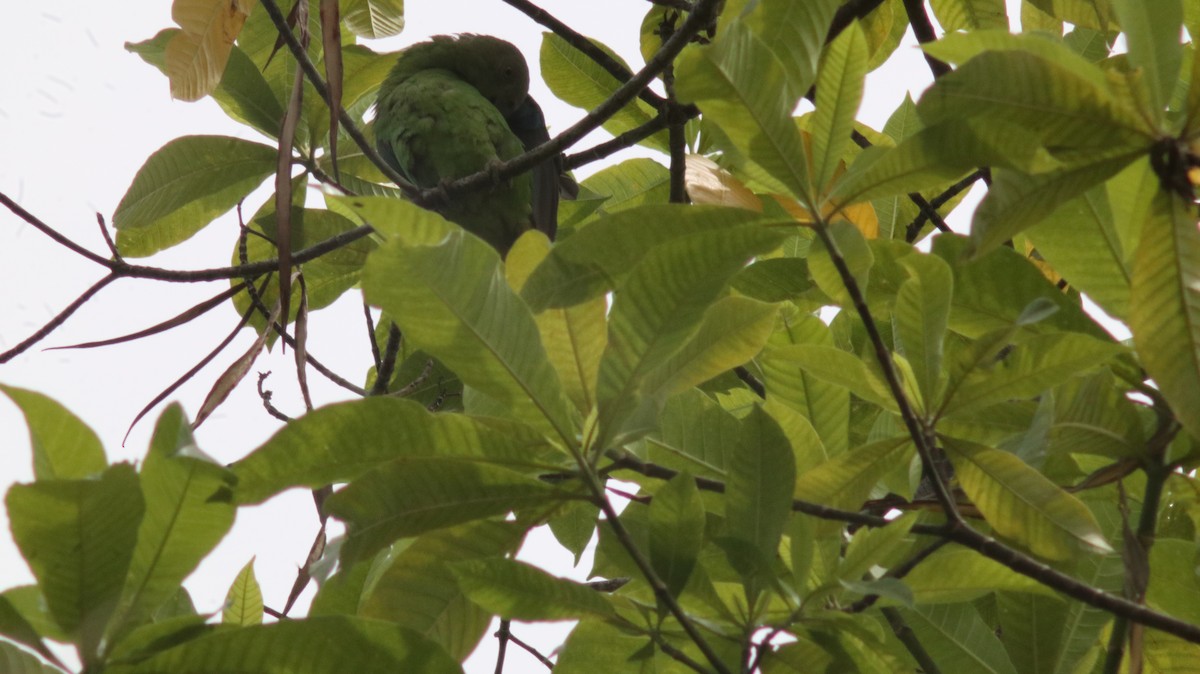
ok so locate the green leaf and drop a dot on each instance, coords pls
(189, 509)
(831, 364)
(846, 480)
(633, 182)
(1165, 306)
(1017, 202)
(323, 645)
(955, 15)
(1152, 35)
(185, 185)
(326, 278)
(417, 588)
(408, 497)
(514, 590)
(795, 31)
(955, 574)
(575, 337)
(1092, 415)
(882, 547)
(243, 92)
(579, 81)
(78, 537)
(451, 300)
(1020, 503)
(1080, 241)
(958, 639)
(244, 601)
(14, 660)
(852, 247)
(826, 405)
(693, 435)
(63, 446)
(373, 19)
(1031, 367)
(920, 319)
(761, 481)
(993, 291)
(676, 531)
(15, 627)
(658, 308)
(839, 93)
(340, 442)
(742, 88)
(598, 646)
(594, 260)
(733, 331)
(1059, 101)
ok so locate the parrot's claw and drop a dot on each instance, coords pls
(442, 193)
(493, 169)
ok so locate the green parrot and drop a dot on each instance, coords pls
(457, 105)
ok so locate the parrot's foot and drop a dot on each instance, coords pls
(493, 169)
(441, 193)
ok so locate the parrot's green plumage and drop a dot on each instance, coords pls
(444, 112)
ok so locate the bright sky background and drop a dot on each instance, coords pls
(78, 117)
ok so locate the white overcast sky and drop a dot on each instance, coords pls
(78, 117)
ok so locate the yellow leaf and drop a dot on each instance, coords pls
(708, 183)
(196, 56)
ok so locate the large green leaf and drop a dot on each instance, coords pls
(1080, 241)
(658, 308)
(1092, 415)
(920, 318)
(63, 446)
(575, 337)
(373, 19)
(762, 478)
(408, 497)
(676, 531)
(183, 186)
(847, 479)
(14, 660)
(958, 639)
(955, 574)
(417, 589)
(694, 434)
(243, 92)
(993, 291)
(955, 15)
(78, 537)
(835, 366)
(339, 442)
(1029, 368)
(514, 590)
(795, 31)
(1018, 201)
(189, 510)
(1020, 503)
(322, 645)
(1164, 310)
(733, 331)
(1057, 100)
(595, 260)
(17, 628)
(451, 300)
(579, 81)
(742, 88)
(826, 405)
(1152, 35)
(839, 93)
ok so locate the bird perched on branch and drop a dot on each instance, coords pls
(457, 105)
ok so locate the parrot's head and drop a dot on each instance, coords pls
(495, 68)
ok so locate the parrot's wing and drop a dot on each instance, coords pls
(529, 125)
(439, 128)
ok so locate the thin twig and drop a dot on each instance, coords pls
(609, 147)
(528, 649)
(661, 593)
(383, 376)
(750, 380)
(108, 240)
(923, 30)
(58, 320)
(265, 396)
(906, 636)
